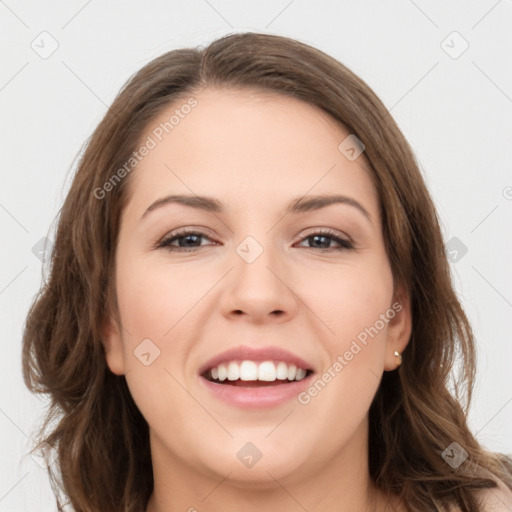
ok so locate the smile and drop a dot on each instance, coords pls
(258, 373)
(255, 377)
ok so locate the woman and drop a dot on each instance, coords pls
(249, 304)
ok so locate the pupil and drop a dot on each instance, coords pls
(319, 237)
(187, 238)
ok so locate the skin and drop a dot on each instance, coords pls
(254, 152)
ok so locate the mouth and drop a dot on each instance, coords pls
(249, 377)
(256, 374)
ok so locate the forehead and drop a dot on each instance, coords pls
(248, 148)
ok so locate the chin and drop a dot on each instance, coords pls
(257, 464)
(261, 476)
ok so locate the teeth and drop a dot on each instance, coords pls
(266, 371)
(248, 370)
(300, 374)
(223, 372)
(282, 371)
(233, 371)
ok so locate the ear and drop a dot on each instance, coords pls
(113, 345)
(399, 328)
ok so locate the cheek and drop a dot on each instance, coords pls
(153, 298)
(338, 400)
(348, 299)
(153, 303)
(159, 306)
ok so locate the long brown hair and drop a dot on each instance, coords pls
(102, 440)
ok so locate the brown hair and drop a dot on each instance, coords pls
(100, 436)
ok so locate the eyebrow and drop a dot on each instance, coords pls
(297, 205)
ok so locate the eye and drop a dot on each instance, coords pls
(187, 240)
(190, 240)
(322, 240)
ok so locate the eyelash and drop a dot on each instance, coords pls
(165, 243)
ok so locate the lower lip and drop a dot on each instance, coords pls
(256, 398)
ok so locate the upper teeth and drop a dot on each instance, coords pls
(249, 370)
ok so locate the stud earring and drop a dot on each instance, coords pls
(397, 354)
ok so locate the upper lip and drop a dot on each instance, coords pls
(244, 352)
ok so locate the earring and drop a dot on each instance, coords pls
(397, 354)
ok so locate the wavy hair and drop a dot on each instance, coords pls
(101, 438)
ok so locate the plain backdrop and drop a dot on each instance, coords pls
(443, 68)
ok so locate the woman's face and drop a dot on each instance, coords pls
(268, 274)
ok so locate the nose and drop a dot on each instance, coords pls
(260, 291)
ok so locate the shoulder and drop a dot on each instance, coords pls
(496, 499)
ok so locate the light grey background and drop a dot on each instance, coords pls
(456, 111)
